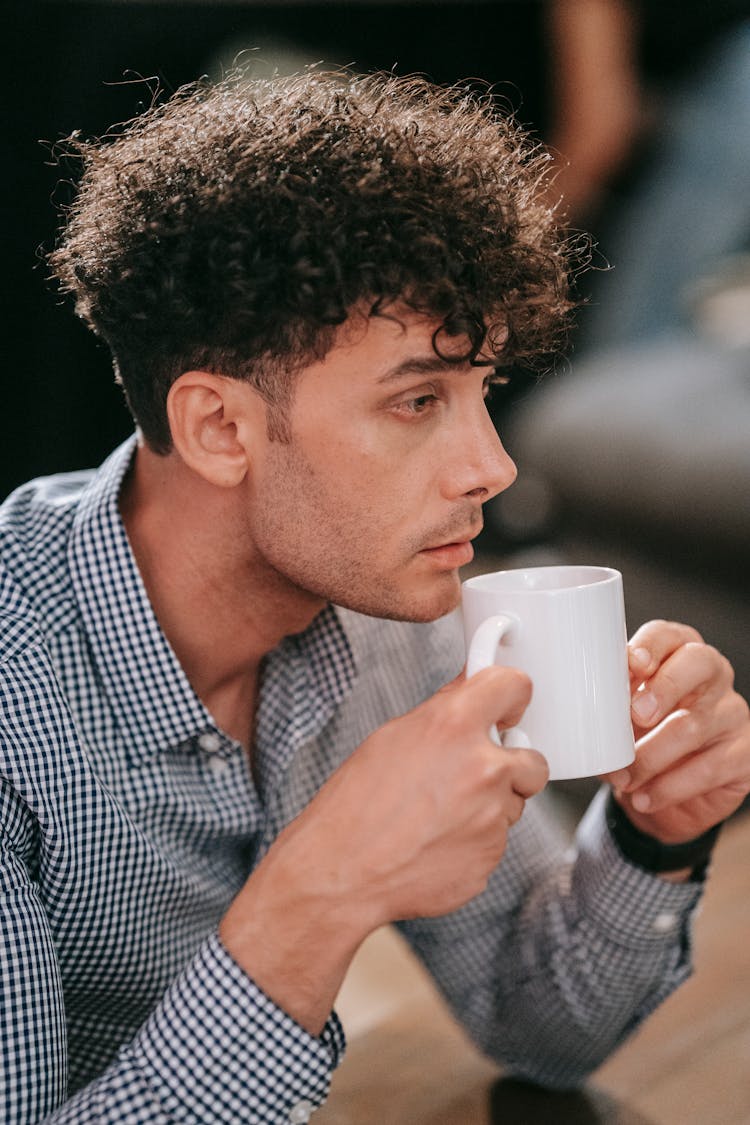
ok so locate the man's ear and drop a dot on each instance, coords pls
(214, 422)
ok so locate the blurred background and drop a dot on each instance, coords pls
(636, 453)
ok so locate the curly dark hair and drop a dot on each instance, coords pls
(234, 226)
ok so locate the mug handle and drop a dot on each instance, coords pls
(482, 655)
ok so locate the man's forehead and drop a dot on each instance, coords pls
(397, 341)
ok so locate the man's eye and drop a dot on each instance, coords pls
(419, 405)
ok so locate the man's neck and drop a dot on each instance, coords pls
(219, 603)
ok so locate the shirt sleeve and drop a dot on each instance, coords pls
(215, 1051)
(33, 1059)
(563, 955)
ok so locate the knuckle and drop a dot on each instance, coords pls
(450, 711)
(658, 624)
(513, 679)
(506, 769)
(669, 684)
(542, 767)
(662, 626)
(705, 772)
(523, 684)
(719, 670)
(689, 728)
(485, 819)
(512, 693)
(738, 712)
(516, 811)
(536, 763)
(490, 763)
(744, 707)
(727, 668)
(707, 653)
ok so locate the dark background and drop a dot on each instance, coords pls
(72, 65)
(70, 62)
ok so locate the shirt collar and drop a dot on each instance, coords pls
(150, 695)
(304, 680)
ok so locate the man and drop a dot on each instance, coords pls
(228, 750)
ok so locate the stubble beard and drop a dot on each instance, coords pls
(347, 573)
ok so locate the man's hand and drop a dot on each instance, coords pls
(692, 766)
(420, 812)
(411, 824)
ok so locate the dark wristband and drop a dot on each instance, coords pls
(649, 853)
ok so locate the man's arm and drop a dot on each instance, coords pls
(564, 956)
(414, 822)
(557, 961)
(215, 1050)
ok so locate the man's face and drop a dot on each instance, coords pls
(372, 503)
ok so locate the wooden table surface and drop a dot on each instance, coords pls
(408, 1063)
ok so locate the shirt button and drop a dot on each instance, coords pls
(218, 765)
(664, 923)
(300, 1113)
(210, 742)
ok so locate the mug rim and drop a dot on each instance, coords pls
(484, 582)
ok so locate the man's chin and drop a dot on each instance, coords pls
(429, 601)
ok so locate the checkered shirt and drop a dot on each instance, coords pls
(129, 821)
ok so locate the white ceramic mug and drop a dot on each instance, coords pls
(565, 627)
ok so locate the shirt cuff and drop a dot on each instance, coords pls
(218, 1050)
(657, 911)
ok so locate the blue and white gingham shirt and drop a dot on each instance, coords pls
(128, 822)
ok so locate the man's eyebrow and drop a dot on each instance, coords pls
(425, 365)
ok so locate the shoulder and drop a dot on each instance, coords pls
(35, 718)
(35, 516)
(35, 524)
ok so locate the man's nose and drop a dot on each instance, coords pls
(482, 468)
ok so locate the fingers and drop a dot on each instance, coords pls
(690, 754)
(692, 763)
(719, 770)
(500, 696)
(654, 642)
(693, 674)
(529, 771)
(496, 695)
(514, 808)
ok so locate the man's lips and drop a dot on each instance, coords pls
(453, 554)
(460, 539)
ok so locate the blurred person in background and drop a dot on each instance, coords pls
(641, 450)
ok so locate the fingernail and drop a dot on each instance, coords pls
(640, 657)
(645, 706)
(641, 802)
